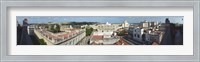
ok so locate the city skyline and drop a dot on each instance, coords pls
(100, 19)
(149, 30)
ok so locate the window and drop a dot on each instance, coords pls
(138, 36)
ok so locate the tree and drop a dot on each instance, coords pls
(89, 31)
(46, 26)
(52, 28)
(57, 28)
(121, 33)
(42, 42)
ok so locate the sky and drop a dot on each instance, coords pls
(101, 19)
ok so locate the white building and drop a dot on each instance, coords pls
(31, 29)
(107, 30)
(137, 34)
(125, 24)
(147, 24)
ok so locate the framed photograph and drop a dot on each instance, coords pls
(100, 30)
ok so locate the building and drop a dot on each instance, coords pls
(23, 34)
(137, 34)
(31, 29)
(65, 27)
(144, 24)
(152, 36)
(67, 37)
(74, 40)
(100, 40)
(148, 25)
(104, 34)
(125, 24)
(146, 36)
(173, 35)
(105, 30)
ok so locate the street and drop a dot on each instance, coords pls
(132, 41)
(84, 41)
